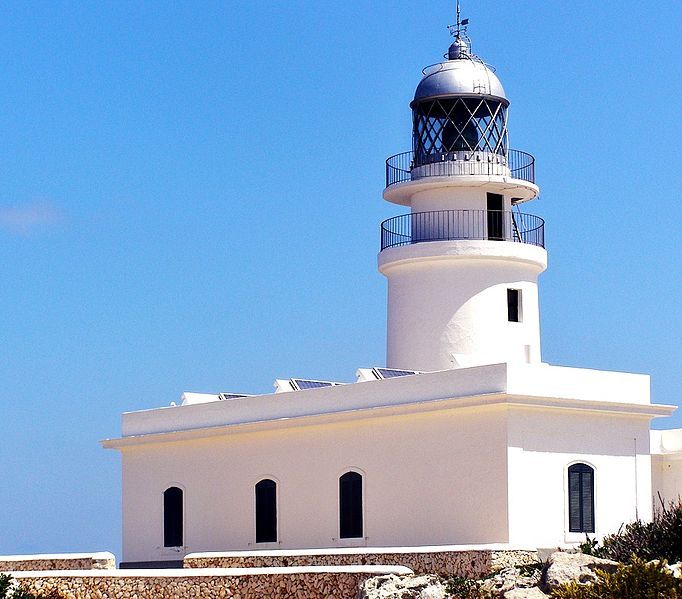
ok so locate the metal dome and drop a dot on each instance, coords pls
(464, 76)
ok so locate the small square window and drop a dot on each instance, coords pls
(514, 305)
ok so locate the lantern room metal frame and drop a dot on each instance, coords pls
(458, 124)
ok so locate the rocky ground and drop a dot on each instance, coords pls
(527, 582)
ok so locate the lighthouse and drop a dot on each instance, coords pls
(462, 265)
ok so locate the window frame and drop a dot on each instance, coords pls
(183, 518)
(363, 480)
(576, 535)
(276, 482)
(519, 304)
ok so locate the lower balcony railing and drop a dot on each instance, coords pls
(449, 225)
(408, 167)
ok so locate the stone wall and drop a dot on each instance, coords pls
(468, 562)
(61, 561)
(274, 583)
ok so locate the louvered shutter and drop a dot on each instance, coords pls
(580, 498)
(587, 500)
(574, 524)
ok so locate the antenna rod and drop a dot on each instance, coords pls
(458, 19)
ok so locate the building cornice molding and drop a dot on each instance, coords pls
(463, 249)
(492, 400)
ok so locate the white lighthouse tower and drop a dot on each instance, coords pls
(462, 266)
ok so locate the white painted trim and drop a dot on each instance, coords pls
(428, 405)
(98, 555)
(211, 572)
(463, 249)
(491, 547)
(401, 193)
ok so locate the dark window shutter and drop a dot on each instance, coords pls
(574, 501)
(588, 500)
(266, 511)
(580, 498)
(513, 313)
(172, 517)
(350, 503)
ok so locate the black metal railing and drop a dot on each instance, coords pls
(450, 225)
(403, 167)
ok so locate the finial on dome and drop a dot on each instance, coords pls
(460, 48)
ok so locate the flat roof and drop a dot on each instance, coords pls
(534, 385)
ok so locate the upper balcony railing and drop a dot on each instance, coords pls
(450, 225)
(516, 164)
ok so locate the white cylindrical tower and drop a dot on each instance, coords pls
(462, 265)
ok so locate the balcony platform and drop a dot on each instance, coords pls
(510, 174)
(458, 225)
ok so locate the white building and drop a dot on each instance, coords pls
(466, 437)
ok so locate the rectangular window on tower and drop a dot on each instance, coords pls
(514, 305)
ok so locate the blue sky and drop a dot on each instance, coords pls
(191, 197)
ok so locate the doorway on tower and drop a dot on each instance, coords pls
(495, 216)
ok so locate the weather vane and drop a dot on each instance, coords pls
(460, 27)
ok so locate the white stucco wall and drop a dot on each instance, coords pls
(433, 478)
(543, 444)
(455, 198)
(666, 479)
(666, 449)
(447, 303)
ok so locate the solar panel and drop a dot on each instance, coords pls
(389, 373)
(300, 384)
(230, 395)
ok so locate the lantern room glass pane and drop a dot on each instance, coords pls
(443, 126)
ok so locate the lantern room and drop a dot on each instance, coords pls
(459, 108)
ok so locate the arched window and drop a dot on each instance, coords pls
(580, 498)
(350, 506)
(172, 517)
(266, 511)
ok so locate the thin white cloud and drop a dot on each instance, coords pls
(31, 217)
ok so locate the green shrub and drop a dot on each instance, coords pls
(659, 539)
(531, 569)
(463, 588)
(5, 584)
(639, 580)
(589, 547)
